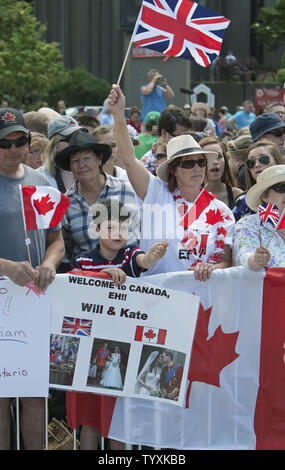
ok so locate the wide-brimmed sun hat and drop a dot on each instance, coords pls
(180, 146)
(266, 179)
(81, 140)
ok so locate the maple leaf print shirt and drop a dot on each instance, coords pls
(191, 240)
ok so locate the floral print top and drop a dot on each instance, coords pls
(246, 240)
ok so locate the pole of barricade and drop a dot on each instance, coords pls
(74, 440)
(18, 423)
(46, 421)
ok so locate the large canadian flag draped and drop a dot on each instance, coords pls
(43, 206)
(235, 397)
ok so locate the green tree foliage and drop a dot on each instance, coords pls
(79, 87)
(270, 27)
(29, 65)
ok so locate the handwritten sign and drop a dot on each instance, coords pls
(24, 340)
(130, 341)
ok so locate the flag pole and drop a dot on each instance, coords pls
(125, 61)
(27, 240)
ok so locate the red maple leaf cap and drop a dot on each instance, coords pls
(44, 205)
(8, 117)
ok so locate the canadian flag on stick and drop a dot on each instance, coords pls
(43, 206)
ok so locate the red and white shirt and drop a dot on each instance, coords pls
(195, 231)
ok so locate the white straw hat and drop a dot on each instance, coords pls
(180, 146)
(266, 179)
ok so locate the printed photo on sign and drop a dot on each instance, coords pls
(160, 372)
(63, 356)
(108, 364)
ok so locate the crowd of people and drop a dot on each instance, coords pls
(207, 175)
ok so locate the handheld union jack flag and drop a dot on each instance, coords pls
(76, 326)
(180, 28)
(268, 213)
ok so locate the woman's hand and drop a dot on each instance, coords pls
(259, 259)
(202, 271)
(116, 100)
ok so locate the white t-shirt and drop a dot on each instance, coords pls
(200, 236)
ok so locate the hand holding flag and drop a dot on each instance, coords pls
(268, 213)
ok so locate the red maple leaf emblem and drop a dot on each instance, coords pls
(210, 356)
(189, 241)
(150, 334)
(44, 205)
(8, 117)
(213, 217)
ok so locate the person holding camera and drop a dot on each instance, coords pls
(154, 93)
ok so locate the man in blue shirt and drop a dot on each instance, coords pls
(154, 93)
(242, 118)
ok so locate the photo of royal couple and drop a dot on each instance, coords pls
(108, 364)
(160, 373)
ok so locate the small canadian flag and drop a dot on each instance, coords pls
(150, 335)
(43, 206)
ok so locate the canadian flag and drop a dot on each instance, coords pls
(236, 379)
(43, 206)
(150, 334)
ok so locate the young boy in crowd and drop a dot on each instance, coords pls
(111, 254)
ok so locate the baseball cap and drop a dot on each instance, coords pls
(265, 123)
(11, 120)
(152, 118)
(63, 125)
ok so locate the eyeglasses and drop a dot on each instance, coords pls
(277, 132)
(191, 163)
(263, 159)
(7, 143)
(278, 187)
(158, 156)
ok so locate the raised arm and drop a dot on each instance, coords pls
(137, 173)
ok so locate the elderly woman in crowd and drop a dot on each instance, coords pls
(219, 178)
(197, 225)
(259, 156)
(259, 245)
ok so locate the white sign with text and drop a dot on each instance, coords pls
(25, 316)
(132, 341)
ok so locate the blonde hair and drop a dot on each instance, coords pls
(38, 141)
(102, 130)
(50, 152)
(237, 147)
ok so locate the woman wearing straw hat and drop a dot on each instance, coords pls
(251, 238)
(175, 206)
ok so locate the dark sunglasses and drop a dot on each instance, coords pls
(278, 187)
(277, 132)
(263, 159)
(7, 144)
(191, 163)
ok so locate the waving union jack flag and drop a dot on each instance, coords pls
(76, 326)
(180, 28)
(268, 213)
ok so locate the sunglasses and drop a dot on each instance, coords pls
(20, 142)
(263, 159)
(277, 132)
(278, 187)
(188, 164)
